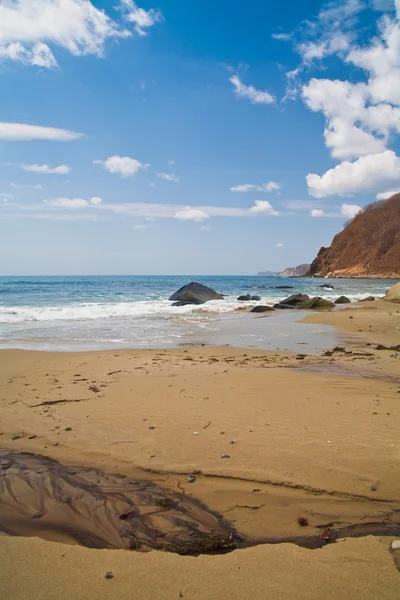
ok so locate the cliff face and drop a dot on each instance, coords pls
(299, 271)
(369, 246)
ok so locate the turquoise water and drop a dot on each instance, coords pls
(65, 313)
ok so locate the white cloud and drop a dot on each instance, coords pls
(142, 19)
(386, 195)
(349, 210)
(191, 214)
(169, 177)
(285, 37)
(279, 245)
(28, 26)
(317, 212)
(122, 165)
(263, 206)
(46, 170)
(249, 187)
(73, 202)
(250, 92)
(367, 174)
(15, 132)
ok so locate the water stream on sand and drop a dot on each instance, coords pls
(41, 497)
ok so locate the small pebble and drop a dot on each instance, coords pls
(57, 427)
(16, 437)
(109, 575)
(395, 545)
(195, 433)
(373, 488)
(231, 442)
(68, 429)
(56, 444)
(191, 479)
(151, 427)
(225, 456)
(31, 437)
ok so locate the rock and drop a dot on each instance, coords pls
(316, 302)
(225, 456)
(68, 429)
(31, 437)
(326, 287)
(282, 306)
(195, 293)
(109, 575)
(298, 271)
(256, 298)
(184, 303)
(245, 298)
(342, 300)
(393, 294)
(368, 299)
(395, 545)
(231, 442)
(283, 287)
(372, 488)
(151, 427)
(295, 299)
(16, 437)
(191, 479)
(56, 444)
(261, 309)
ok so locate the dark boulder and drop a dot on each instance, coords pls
(194, 293)
(369, 299)
(256, 298)
(281, 306)
(342, 300)
(283, 287)
(245, 298)
(295, 299)
(316, 302)
(261, 309)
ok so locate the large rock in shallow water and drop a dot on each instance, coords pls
(343, 300)
(394, 293)
(194, 293)
(261, 309)
(316, 303)
(295, 299)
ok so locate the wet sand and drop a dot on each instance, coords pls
(315, 437)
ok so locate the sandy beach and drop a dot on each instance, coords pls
(267, 437)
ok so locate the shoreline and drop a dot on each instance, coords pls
(315, 436)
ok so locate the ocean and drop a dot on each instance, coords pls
(105, 312)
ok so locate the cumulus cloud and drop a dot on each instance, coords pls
(263, 206)
(122, 165)
(367, 174)
(169, 177)
(46, 170)
(142, 19)
(191, 214)
(349, 210)
(250, 92)
(29, 27)
(11, 132)
(249, 187)
(317, 212)
(72, 202)
(386, 195)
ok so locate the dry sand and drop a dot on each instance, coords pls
(312, 435)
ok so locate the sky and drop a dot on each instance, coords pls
(202, 137)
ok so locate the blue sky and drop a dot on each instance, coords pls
(175, 137)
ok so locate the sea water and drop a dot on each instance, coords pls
(101, 312)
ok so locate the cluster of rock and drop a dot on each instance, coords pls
(196, 293)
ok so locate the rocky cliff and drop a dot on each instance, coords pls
(298, 271)
(368, 246)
